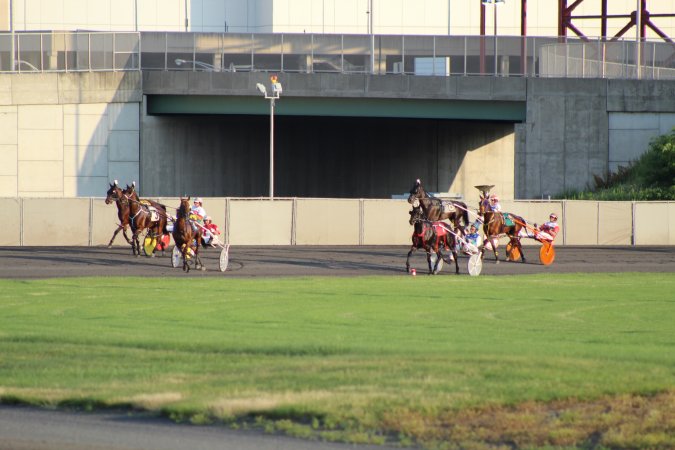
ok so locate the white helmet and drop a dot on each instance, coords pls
(198, 200)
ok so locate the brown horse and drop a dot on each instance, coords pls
(116, 194)
(144, 215)
(431, 237)
(495, 224)
(435, 209)
(186, 237)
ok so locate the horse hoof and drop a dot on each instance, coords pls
(202, 268)
(497, 261)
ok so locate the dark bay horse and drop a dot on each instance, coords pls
(185, 237)
(144, 215)
(431, 237)
(116, 194)
(435, 209)
(495, 224)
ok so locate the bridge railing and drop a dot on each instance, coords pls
(510, 56)
(69, 51)
(411, 55)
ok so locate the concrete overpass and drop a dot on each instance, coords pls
(363, 135)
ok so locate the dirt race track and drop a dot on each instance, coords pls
(282, 261)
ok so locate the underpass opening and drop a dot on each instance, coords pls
(321, 156)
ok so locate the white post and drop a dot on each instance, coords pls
(271, 148)
(11, 28)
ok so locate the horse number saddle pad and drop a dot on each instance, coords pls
(507, 220)
(448, 207)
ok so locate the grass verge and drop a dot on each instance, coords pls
(574, 361)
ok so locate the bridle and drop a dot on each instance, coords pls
(114, 196)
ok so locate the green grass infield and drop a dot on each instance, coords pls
(537, 361)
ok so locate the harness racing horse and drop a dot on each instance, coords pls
(185, 236)
(431, 236)
(144, 215)
(495, 224)
(116, 194)
(435, 209)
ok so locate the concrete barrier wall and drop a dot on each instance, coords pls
(385, 222)
(294, 221)
(327, 222)
(11, 221)
(655, 223)
(260, 222)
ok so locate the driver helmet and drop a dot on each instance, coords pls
(198, 200)
(494, 199)
(207, 218)
(553, 217)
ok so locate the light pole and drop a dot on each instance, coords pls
(494, 4)
(274, 95)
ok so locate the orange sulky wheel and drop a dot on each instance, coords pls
(546, 253)
(512, 252)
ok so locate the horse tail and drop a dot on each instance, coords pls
(465, 215)
(165, 215)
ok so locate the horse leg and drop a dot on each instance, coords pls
(431, 270)
(493, 242)
(520, 247)
(120, 227)
(135, 245)
(184, 252)
(124, 233)
(407, 261)
(198, 260)
(454, 253)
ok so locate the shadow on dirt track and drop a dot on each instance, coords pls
(282, 261)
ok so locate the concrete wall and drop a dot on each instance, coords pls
(576, 129)
(566, 137)
(88, 221)
(630, 134)
(66, 135)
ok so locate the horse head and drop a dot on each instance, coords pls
(184, 208)
(114, 193)
(416, 192)
(130, 191)
(416, 215)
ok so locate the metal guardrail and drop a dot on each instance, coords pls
(510, 56)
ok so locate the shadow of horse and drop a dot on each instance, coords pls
(144, 215)
(431, 236)
(116, 194)
(435, 209)
(495, 225)
(186, 237)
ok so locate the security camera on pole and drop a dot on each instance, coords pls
(276, 93)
